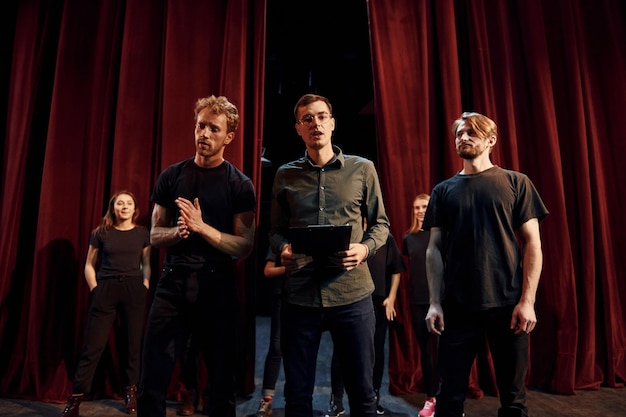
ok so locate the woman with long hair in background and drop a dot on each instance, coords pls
(120, 283)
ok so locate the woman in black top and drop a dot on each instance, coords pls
(414, 246)
(121, 282)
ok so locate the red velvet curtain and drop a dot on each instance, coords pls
(100, 98)
(552, 74)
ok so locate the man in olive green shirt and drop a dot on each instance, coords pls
(331, 292)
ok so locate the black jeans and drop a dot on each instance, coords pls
(459, 343)
(198, 304)
(428, 345)
(274, 357)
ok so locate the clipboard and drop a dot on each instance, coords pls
(320, 239)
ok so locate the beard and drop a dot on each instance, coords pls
(470, 152)
(467, 153)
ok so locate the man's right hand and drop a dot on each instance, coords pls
(434, 319)
(294, 261)
(183, 231)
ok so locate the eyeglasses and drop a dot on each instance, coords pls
(309, 119)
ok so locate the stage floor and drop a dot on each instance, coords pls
(606, 402)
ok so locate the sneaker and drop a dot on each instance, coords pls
(188, 407)
(335, 409)
(265, 408)
(429, 408)
(379, 408)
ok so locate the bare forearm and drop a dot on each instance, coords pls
(395, 283)
(90, 267)
(237, 246)
(272, 271)
(434, 275)
(533, 263)
(90, 277)
(147, 272)
(533, 260)
(162, 237)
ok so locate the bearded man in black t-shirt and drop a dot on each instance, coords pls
(474, 269)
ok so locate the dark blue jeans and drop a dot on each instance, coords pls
(380, 336)
(352, 331)
(459, 343)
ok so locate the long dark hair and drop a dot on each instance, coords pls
(109, 220)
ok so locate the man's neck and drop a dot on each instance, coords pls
(474, 166)
(321, 157)
(208, 161)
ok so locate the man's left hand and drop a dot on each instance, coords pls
(353, 257)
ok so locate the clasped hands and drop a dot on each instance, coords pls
(190, 219)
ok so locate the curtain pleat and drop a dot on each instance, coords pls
(551, 74)
(101, 98)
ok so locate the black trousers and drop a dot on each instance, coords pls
(202, 305)
(274, 356)
(128, 296)
(459, 344)
(428, 344)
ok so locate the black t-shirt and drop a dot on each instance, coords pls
(120, 251)
(479, 215)
(414, 247)
(276, 283)
(222, 192)
(383, 264)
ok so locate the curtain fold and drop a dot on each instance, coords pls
(101, 98)
(551, 74)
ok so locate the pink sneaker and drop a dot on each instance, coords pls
(429, 408)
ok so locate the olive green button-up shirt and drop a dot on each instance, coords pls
(344, 191)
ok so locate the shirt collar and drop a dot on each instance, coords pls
(338, 159)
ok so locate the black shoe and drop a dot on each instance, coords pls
(131, 399)
(335, 407)
(379, 408)
(73, 405)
